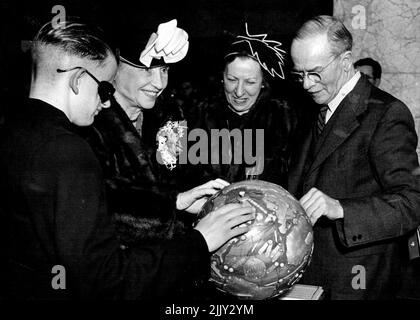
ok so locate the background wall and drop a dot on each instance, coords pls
(389, 32)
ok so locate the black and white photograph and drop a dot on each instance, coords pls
(210, 159)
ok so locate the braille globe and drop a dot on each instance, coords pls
(271, 257)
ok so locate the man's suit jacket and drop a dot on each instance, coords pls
(54, 213)
(364, 158)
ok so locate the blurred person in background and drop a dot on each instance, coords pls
(370, 68)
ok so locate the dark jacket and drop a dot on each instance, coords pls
(54, 213)
(364, 158)
(139, 191)
(277, 120)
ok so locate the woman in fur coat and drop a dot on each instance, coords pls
(259, 127)
(145, 206)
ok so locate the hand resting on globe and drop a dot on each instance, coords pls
(193, 200)
(219, 225)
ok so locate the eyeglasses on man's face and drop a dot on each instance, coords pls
(314, 76)
(105, 89)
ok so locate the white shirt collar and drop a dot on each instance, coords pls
(344, 91)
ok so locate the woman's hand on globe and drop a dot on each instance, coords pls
(219, 226)
(192, 200)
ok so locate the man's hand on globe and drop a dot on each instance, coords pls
(317, 204)
(192, 200)
(219, 226)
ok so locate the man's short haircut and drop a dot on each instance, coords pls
(338, 35)
(73, 38)
(376, 67)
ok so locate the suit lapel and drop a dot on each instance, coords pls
(342, 124)
(300, 162)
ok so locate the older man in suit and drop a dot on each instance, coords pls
(353, 172)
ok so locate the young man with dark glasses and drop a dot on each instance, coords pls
(105, 89)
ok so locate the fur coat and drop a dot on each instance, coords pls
(141, 199)
(275, 117)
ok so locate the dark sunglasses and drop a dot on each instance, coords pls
(105, 89)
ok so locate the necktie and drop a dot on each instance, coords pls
(321, 119)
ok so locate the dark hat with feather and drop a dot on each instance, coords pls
(266, 52)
